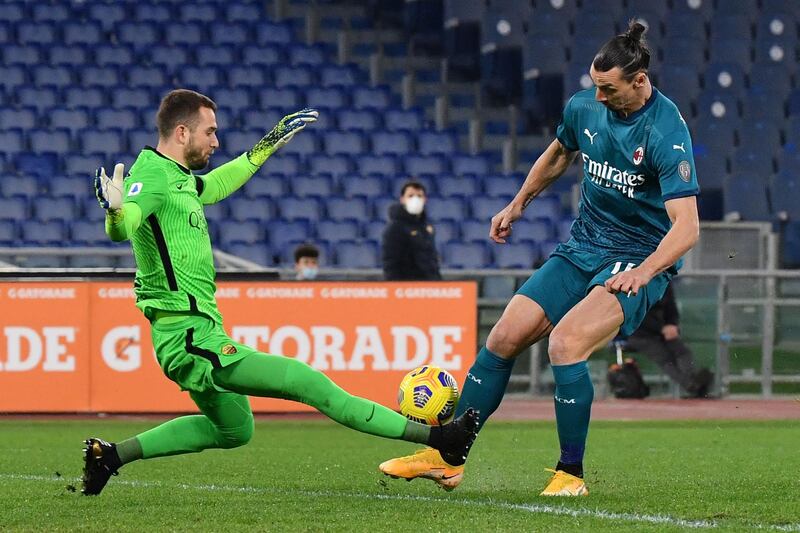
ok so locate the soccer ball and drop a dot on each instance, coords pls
(428, 394)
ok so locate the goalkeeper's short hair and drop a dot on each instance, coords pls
(180, 107)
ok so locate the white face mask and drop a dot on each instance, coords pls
(415, 205)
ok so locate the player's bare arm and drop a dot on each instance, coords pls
(681, 237)
(547, 169)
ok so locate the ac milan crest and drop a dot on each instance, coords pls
(638, 155)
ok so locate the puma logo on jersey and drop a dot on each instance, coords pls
(679, 147)
(590, 135)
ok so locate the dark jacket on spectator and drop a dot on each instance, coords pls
(409, 250)
(663, 313)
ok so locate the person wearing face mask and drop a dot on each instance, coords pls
(306, 262)
(409, 250)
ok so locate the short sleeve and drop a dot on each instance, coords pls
(147, 190)
(674, 163)
(565, 132)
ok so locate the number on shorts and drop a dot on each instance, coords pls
(618, 267)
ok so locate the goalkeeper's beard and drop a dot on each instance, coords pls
(194, 157)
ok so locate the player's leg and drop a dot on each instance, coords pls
(226, 422)
(274, 376)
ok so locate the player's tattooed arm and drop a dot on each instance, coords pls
(555, 160)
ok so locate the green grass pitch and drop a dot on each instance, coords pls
(313, 475)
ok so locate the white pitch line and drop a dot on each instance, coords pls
(529, 508)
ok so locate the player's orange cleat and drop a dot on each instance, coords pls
(563, 484)
(426, 463)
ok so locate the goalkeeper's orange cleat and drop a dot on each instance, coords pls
(426, 463)
(563, 484)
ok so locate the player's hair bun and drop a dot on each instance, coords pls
(635, 31)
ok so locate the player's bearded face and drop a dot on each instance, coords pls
(196, 156)
(202, 140)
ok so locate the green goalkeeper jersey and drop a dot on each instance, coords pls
(174, 261)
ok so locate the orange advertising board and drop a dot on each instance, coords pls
(84, 346)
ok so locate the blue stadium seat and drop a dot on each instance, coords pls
(14, 54)
(200, 78)
(445, 231)
(129, 96)
(152, 77)
(463, 186)
(763, 136)
(107, 76)
(248, 232)
(776, 28)
(485, 208)
(242, 12)
(681, 24)
(284, 97)
(50, 233)
(336, 165)
(266, 56)
(391, 143)
(538, 230)
(85, 233)
(326, 97)
(466, 255)
(261, 119)
(258, 209)
(335, 231)
(746, 194)
(85, 97)
(320, 186)
(24, 118)
(8, 233)
(474, 231)
(153, 12)
(91, 210)
(762, 106)
(403, 119)
(355, 208)
(246, 77)
(141, 137)
(516, 255)
(685, 50)
(552, 26)
(469, 164)
(50, 140)
(300, 54)
(114, 55)
(436, 142)
(382, 204)
(724, 77)
(50, 12)
(19, 185)
(752, 162)
(261, 254)
(744, 8)
(730, 26)
(370, 186)
(293, 208)
(184, 33)
(424, 164)
(215, 213)
(597, 24)
(503, 185)
(42, 164)
(198, 13)
(36, 33)
(338, 75)
(679, 80)
(563, 229)
(385, 165)
(374, 230)
(712, 169)
(772, 7)
(302, 145)
(12, 140)
(713, 136)
(236, 100)
(297, 76)
(230, 34)
(771, 78)
(785, 195)
(273, 33)
(108, 118)
(439, 209)
(169, 58)
(214, 56)
(71, 56)
(52, 76)
(371, 97)
(715, 105)
(12, 12)
(12, 77)
(74, 187)
(344, 142)
(357, 254)
(55, 208)
(358, 119)
(14, 208)
(107, 14)
(736, 51)
(546, 207)
(138, 35)
(282, 232)
(105, 141)
(82, 33)
(237, 142)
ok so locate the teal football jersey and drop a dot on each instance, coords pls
(631, 166)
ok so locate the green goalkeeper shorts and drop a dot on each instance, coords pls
(189, 349)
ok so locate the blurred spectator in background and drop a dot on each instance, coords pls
(659, 339)
(409, 250)
(306, 262)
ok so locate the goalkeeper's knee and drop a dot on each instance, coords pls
(236, 436)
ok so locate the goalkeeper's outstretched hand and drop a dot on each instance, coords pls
(281, 134)
(109, 190)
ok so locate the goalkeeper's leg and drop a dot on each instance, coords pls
(275, 376)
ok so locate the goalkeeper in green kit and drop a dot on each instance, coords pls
(159, 208)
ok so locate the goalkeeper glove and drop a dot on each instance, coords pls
(281, 134)
(109, 190)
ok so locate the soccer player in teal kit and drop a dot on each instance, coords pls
(637, 217)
